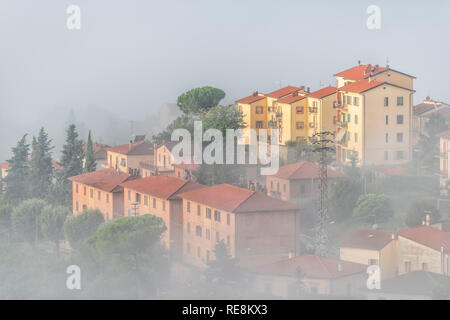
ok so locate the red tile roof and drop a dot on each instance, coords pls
(283, 92)
(106, 180)
(358, 72)
(291, 98)
(303, 170)
(135, 148)
(428, 236)
(423, 107)
(238, 200)
(443, 111)
(312, 266)
(162, 186)
(251, 99)
(367, 239)
(5, 165)
(361, 86)
(321, 93)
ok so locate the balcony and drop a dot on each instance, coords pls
(340, 105)
(313, 110)
(279, 114)
(341, 124)
(272, 124)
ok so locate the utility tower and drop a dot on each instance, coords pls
(322, 142)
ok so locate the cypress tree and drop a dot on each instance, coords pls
(17, 180)
(89, 160)
(41, 165)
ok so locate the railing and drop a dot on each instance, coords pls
(342, 124)
(313, 110)
(279, 114)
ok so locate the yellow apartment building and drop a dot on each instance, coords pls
(128, 157)
(374, 116)
(444, 150)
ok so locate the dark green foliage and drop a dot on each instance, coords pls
(223, 268)
(5, 219)
(18, 178)
(182, 122)
(41, 165)
(419, 209)
(89, 160)
(374, 208)
(343, 197)
(200, 100)
(52, 220)
(222, 118)
(25, 220)
(82, 226)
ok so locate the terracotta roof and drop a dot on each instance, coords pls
(238, 200)
(321, 93)
(107, 179)
(5, 165)
(358, 72)
(423, 107)
(251, 99)
(443, 111)
(303, 170)
(291, 98)
(136, 148)
(283, 92)
(429, 237)
(162, 186)
(367, 239)
(56, 166)
(361, 86)
(312, 266)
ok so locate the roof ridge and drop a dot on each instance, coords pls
(185, 182)
(244, 200)
(321, 262)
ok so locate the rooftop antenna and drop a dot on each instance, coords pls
(132, 130)
(387, 62)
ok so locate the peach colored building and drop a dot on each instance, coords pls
(99, 190)
(159, 195)
(372, 247)
(4, 167)
(248, 222)
(424, 248)
(318, 276)
(444, 151)
(127, 157)
(297, 181)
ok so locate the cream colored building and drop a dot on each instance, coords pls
(374, 116)
(372, 247)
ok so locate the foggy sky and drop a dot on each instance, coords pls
(132, 56)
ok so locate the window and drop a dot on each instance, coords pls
(129, 195)
(356, 101)
(300, 125)
(188, 227)
(164, 205)
(356, 119)
(399, 137)
(399, 101)
(259, 124)
(386, 155)
(278, 187)
(138, 197)
(76, 206)
(154, 203)
(399, 155)
(92, 193)
(99, 195)
(348, 118)
(76, 188)
(299, 110)
(407, 266)
(146, 201)
(208, 213)
(107, 198)
(259, 110)
(208, 234)
(123, 163)
(400, 119)
(217, 216)
(386, 101)
(387, 119)
(198, 210)
(356, 137)
(198, 231)
(228, 219)
(348, 136)
(84, 191)
(349, 100)
(188, 206)
(373, 262)
(386, 137)
(284, 187)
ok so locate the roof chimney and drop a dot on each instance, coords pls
(255, 94)
(295, 93)
(359, 62)
(131, 142)
(368, 68)
(307, 89)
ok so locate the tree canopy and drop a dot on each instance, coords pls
(374, 208)
(17, 180)
(41, 165)
(199, 100)
(82, 226)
